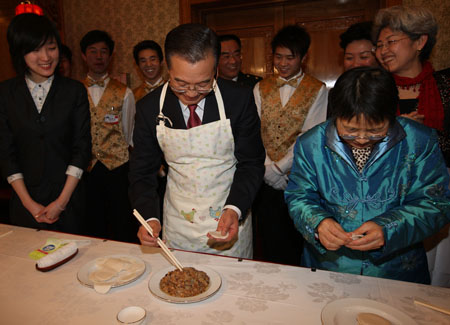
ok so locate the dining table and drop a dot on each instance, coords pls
(250, 291)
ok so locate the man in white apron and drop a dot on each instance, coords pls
(209, 134)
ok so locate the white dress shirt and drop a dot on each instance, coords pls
(200, 110)
(316, 115)
(39, 92)
(128, 108)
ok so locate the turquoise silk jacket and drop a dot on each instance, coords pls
(403, 188)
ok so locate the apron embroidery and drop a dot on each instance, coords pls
(189, 216)
(215, 213)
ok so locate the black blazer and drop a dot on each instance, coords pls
(42, 145)
(247, 80)
(249, 151)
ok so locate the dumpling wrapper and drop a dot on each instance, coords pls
(117, 264)
(218, 234)
(371, 319)
(102, 288)
(115, 269)
(102, 274)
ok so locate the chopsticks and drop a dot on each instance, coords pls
(431, 306)
(161, 244)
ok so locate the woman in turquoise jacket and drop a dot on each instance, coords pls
(366, 187)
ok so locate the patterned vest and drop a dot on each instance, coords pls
(144, 89)
(280, 126)
(108, 141)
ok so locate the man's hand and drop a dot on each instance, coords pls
(145, 237)
(331, 234)
(228, 223)
(373, 237)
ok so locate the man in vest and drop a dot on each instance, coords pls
(289, 104)
(112, 109)
(209, 134)
(149, 58)
(230, 62)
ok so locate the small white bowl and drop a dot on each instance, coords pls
(134, 315)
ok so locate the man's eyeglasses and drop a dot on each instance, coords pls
(370, 138)
(201, 89)
(388, 44)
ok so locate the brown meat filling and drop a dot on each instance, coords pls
(188, 283)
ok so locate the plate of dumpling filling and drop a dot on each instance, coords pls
(359, 311)
(112, 270)
(193, 284)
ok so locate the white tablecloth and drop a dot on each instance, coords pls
(251, 293)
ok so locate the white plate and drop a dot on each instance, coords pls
(83, 273)
(215, 281)
(345, 311)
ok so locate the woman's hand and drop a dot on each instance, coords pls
(415, 116)
(36, 210)
(51, 212)
(145, 237)
(373, 237)
(331, 234)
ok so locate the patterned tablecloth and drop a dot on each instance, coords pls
(251, 292)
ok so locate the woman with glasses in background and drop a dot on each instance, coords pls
(405, 37)
(366, 187)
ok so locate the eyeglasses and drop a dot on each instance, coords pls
(388, 44)
(370, 138)
(197, 88)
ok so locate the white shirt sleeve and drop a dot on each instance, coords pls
(128, 112)
(318, 111)
(74, 171)
(14, 177)
(235, 209)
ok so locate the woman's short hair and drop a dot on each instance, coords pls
(293, 37)
(367, 91)
(193, 42)
(413, 21)
(357, 32)
(26, 33)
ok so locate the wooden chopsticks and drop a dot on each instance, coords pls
(161, 244)
(431, 306)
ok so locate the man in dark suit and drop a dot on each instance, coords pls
(230, 62)
(209, 134)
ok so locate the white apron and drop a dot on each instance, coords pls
(201, 168)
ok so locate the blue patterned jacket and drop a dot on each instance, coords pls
(403, 188)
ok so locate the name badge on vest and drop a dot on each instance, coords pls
(112, 118)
